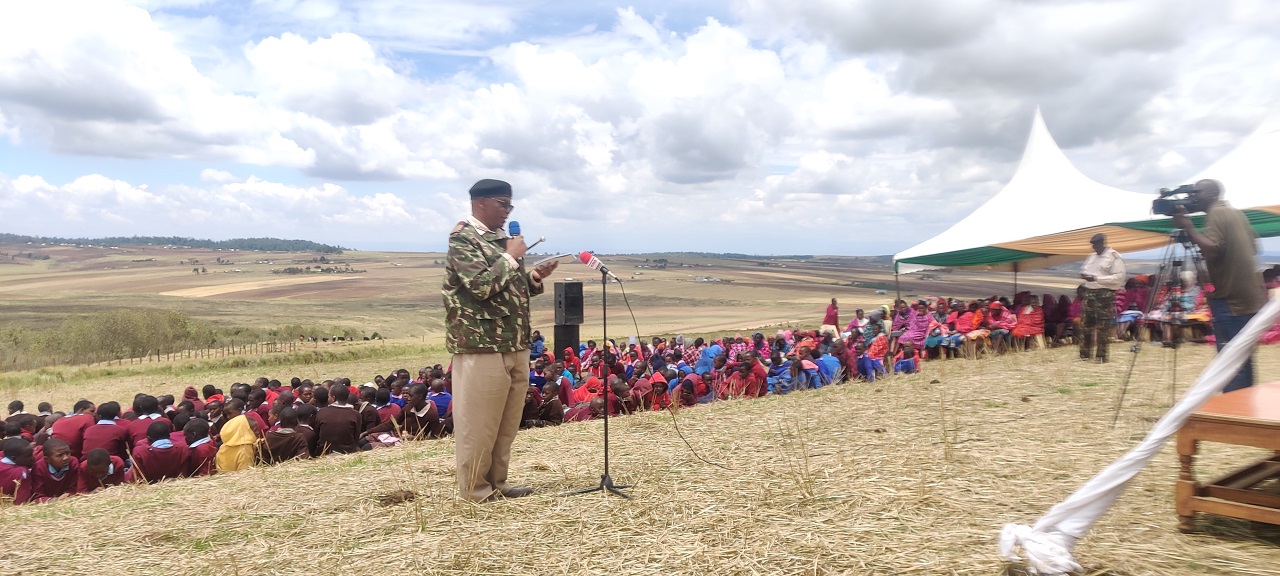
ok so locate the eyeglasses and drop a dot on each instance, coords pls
(505, 205)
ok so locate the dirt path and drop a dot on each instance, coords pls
(207, 291)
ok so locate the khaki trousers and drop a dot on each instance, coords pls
(488, 399)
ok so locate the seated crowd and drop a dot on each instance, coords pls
(1175, 309)
(51, 454)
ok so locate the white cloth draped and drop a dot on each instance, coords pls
(1047, 546)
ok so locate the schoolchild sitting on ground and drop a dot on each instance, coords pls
(239, 439)
(201, 449)
(70, 428)
(158, 458)
(387, 409)
(285, 443)
(15, 470)
(99, 470)
(907, 361)
(868, 366)
(418, 421)
(109, 432)
(56, 471)
(338, 424)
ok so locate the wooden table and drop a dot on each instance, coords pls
(1248, 417)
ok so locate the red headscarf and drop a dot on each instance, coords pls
(571, 361)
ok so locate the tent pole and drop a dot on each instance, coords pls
(1015, 278)
(897, 287)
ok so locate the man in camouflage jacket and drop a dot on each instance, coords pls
(486, 297)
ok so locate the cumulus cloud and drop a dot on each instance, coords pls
(109, 82)
(1127, 81)
(226, 207)
(7, 131)
(873, 26)
(406, 25)
(338, 79)
(217, 176)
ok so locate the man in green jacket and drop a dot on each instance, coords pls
(486, 297)
(1229, 245)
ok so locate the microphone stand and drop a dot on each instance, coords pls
(606, 482)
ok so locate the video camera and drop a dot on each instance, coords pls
(1169, 201)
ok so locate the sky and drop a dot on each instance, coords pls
(849, 127)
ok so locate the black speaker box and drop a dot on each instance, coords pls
(566, 336)
(568, 303)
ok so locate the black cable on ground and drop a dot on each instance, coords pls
(674, 420)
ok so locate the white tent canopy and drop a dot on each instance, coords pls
(1045, 177)
(1251, 172)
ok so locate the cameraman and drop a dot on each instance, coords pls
(1230, 250)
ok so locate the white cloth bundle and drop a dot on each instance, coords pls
(1047, 546)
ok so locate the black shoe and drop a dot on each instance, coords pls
(518, 492)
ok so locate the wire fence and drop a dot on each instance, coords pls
(19, 362)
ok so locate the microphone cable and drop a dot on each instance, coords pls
(675, 422)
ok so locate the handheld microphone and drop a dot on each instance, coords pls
(595, 264)
(513, 228)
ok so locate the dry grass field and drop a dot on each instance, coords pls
(912, 475)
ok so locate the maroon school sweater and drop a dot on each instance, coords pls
(388, 412)
(337, 430)
(368, 416)
(46, 485)
(309, 434)
(153, 464)
(138, 428)
(282, 446)
(264, 412)
(70, 429)
(15, 481)
(87, 482)
(114, 438)
(200, 459)
(262, 423)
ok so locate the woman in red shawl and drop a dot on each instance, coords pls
(1030, 319)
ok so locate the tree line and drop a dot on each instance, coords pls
(136, 333)
(262, 244)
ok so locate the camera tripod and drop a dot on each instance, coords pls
(1168, 277)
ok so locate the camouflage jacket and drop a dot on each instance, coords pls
(486, 299)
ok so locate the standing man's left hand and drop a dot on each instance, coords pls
(545, 269)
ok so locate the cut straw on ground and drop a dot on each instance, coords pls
(904, 476)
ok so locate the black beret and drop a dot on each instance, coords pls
(490, 189)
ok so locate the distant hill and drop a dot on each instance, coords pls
(263, 244)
